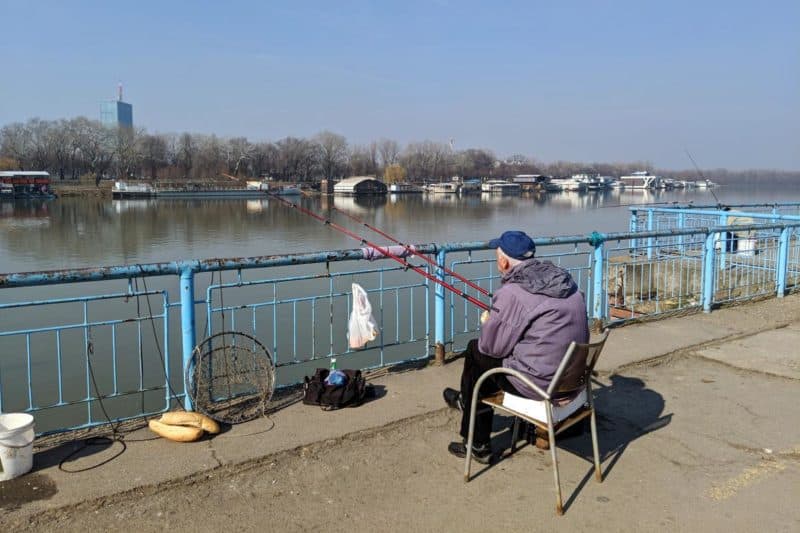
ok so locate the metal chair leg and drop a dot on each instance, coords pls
(552, 436)
(598, 473)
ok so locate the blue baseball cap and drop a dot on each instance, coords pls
(515, 244)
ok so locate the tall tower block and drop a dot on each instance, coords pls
(116, 113)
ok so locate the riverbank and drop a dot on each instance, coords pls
(732, 464)
(85, 190)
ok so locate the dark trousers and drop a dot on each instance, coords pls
(475, 364)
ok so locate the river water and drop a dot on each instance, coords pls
(84, 232)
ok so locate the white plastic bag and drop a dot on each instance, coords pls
(362, 327)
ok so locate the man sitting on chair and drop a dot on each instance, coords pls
(535, 315)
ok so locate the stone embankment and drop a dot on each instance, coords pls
(699, 429)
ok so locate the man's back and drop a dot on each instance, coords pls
(535, 315)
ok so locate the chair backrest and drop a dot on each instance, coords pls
(576, 367)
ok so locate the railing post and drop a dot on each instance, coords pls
(650, 240)
(600, 308)
(633, 228)
(724, 242)
(187, 325)
(708, 273)
(783, 262)
(681, 224)
(439, 308)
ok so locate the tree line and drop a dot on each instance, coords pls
(72, 148)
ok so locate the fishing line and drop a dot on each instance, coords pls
(700, 172)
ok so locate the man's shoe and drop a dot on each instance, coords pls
(482, 454)
(452, 398)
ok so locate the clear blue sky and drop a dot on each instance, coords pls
(590, 81)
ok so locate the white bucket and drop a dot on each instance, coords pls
(16, 445)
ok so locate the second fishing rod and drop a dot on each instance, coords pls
(384, 250)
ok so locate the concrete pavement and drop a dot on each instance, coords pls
(674, 389)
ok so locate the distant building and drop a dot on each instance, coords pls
(116, 113)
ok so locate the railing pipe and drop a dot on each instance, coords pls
(439, 307)
(187, 325)
(783, 261)
(598, 294)
(708, 272)
(632, 227)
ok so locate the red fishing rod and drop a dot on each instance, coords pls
(409, 249)
(385, 251)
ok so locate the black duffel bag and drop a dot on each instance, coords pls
(350, 394)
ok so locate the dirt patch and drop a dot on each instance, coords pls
(25, 489)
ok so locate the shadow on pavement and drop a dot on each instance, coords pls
(626, 411)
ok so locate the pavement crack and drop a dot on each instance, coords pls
(741, 369)
(214, 453)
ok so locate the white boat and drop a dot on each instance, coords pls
(705, 184)
(591, 183)
(500, 187)
(570, 184)
(122, 189)
(641, 180)
(443, 188)
(552, 186)
(405, 188)
(470, 187)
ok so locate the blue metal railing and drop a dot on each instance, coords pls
(60, 356)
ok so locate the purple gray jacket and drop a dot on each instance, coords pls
(536, 313)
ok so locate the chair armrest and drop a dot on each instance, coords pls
(510, 372)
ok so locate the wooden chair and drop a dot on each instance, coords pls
(548, 414)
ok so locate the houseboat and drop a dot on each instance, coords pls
(360, 186)
(533, 182)
(570, 184)
(444, 187)
(641, 180)
(123, 190)
(20, 184)
(470, 187)
(500, 187)
(405, 188)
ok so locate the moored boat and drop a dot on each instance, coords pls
(500, 187)
(443, 188)
(405, 188)
(25, 184)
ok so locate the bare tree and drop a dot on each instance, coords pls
(95, 145)
(297, 158)
(186, 153)
(238, 154)
(333, 153)
(153, 149)
(389, 151)
(265, 159)
(210, 158)
(427, 161)
(15, 143)
(363, 160)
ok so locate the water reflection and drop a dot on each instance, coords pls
(78, 232)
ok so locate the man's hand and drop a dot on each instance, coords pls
(484, 316)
